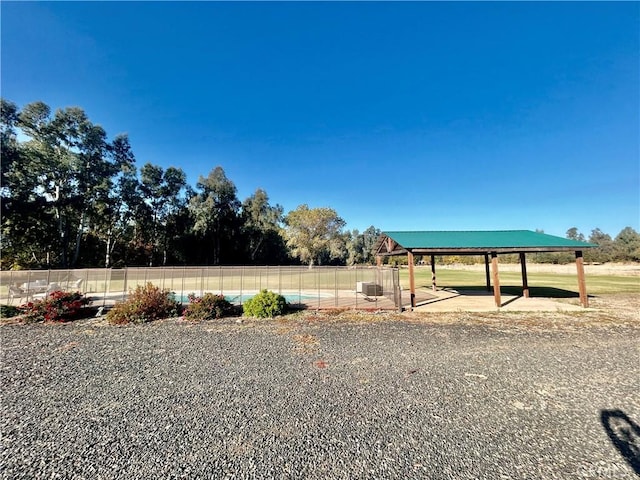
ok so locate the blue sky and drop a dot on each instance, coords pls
(405, 116)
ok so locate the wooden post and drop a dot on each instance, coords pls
(582, 286)
(486, 271)
(525, 282)
(412, 280)
(433, 272)
(496, 279)
(378, 260)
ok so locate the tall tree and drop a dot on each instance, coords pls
(262, 229)
(627, 245)
(215, 210)
(26, 221)
(162, 193)
(604, 251)
(574, 234)
(63, 170)
(314, 232)
(360, 246)
(116, 210)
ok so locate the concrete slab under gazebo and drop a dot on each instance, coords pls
(489, 244)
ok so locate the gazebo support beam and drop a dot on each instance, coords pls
(496, 279)
(486, 271)
(525, 282)
(582, 286)
(433, 272)
(412, 280)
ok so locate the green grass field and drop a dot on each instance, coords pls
(539, 283)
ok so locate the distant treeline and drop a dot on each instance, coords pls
(72, 197)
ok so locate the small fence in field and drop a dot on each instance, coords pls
(360, 288)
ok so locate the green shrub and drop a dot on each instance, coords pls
(8, 311)
(56, 307)
(208, 307)
(145, 304)
(265, 304)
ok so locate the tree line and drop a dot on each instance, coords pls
(72, 197)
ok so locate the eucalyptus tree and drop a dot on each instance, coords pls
(262, 229)
(574, 234)
(360, 246)
(116, 210)
(26, 223)
(314, 233)
(162, 194)
(215, 211)
(61, 172)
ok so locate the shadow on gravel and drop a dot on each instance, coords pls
(624, 433)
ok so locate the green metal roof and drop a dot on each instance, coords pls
(484, 240)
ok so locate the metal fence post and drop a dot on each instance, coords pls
(184, 271)
(106, 289)
(29, 290)
(397, 288)
(318, 286)
(335, 284)
(124, 284)
(356, 289)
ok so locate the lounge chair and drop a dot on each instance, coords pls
(75, 286)
(52, 287)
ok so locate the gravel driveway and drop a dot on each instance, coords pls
(323, 397)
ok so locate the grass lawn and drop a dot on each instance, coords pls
(540, 283)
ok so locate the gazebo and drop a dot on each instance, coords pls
(485, 243)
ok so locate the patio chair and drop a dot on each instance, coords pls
(16, 292)
(75, 286)
(52, 287)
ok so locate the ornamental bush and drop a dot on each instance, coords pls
(145, 304)
(207, 307)
(265, 304)
(7, 311)
(56, 307)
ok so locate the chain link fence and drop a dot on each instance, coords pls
(360, 288)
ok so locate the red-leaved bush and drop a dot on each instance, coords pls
(56, 307)
(208, 307)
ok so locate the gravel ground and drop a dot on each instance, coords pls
(455, 396)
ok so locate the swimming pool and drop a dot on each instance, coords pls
(239, 298)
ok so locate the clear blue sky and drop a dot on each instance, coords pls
(405, 116)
